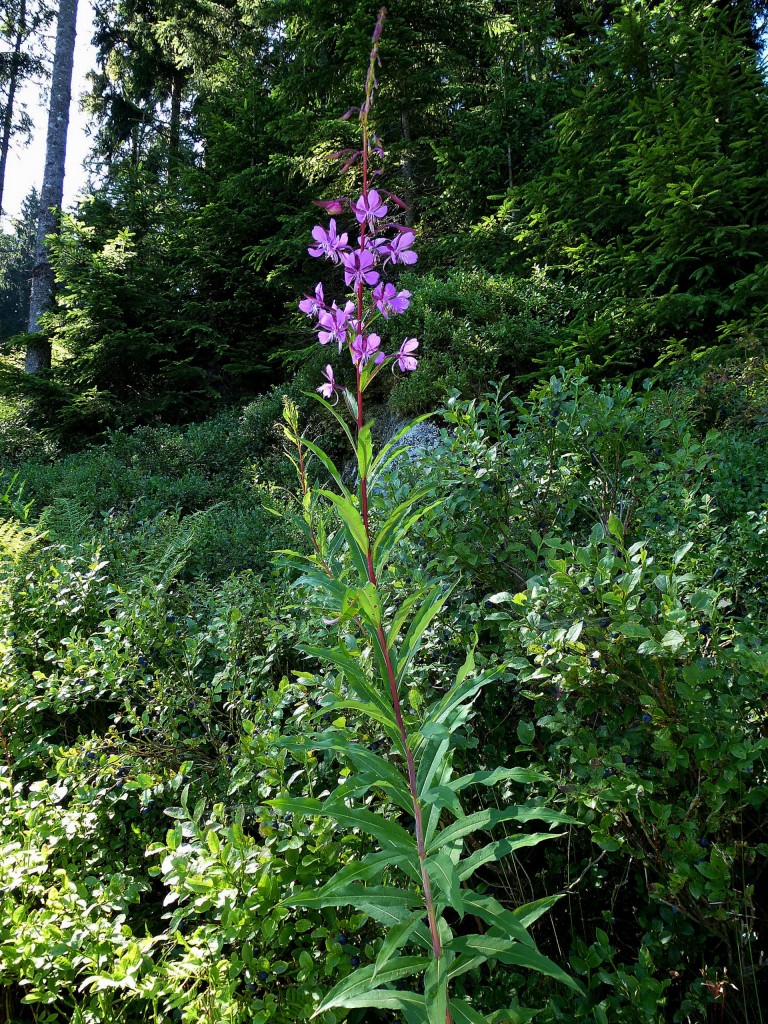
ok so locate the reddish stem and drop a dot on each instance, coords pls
(392, 679)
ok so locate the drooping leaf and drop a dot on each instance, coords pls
(330, 465)
(382, 829)
(383, 903)
(486, 819)
(366, 979)
(514, 954)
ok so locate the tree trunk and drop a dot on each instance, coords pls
(13, 81)
(39, 350)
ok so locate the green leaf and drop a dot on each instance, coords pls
(397, 525)
(364, 450)
(526, 733)
(514, 954)
(436, 989)
(491, 778)
(372, 769)
(615, 527)
(355, 675)
(502, 848)
(464, 1013)
(491, 816)
(385, 831)
(398, 936)
(442, 872)
(358, 986)
(680, 554)
(432, 605)
(330, 465)
(340, 419)
(351, 517)
(529, 913)
(383, 903)
(498, 918)
(390, 451)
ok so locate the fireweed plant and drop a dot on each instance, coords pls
(416, 881)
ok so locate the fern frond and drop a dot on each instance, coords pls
(15, 540)
(67, 522)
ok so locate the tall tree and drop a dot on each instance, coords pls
(38, 348)
(17, 249)
(20, 20)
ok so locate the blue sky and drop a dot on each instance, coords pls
(25, 163)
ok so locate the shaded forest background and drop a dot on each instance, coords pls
(588, 181)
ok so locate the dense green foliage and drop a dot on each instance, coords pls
(219, 717)
(607, 556)
(614, 154)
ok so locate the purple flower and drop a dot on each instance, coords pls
(376, 245)
(399, 249)
(404, 359)
(363, 347)
(369, 207)
(389, 300)
(327, 389)
(312, 306)
(333, 324)
(357, 268)
(328, 243)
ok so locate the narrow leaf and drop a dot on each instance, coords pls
(500, 849)
(362, 982)
(488, 818)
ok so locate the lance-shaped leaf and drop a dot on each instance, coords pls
(436, 989)
(443, 874)
(330, 466)
(351, 519)
(432, 605)
(501, 921)
(398, 936)
(355, 675)
(528, 913)
(372, 770)
(464, 689)
(464, 1013)
(513, 953)
(383, 903)
(383, 718)
(396, 527)
(362, 983)
(369, 869)
(502, 848)
(339, 419)
(364, 450)
(433, 758)
(491, 816)
(491, 778)
(385, 831)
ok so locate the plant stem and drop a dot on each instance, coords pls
(429, 902)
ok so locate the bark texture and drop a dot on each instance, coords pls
(38, 349)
